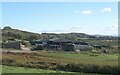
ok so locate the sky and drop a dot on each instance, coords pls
(62, 17)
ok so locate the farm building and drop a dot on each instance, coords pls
(58, 44)
(68, 47)
(15, 45)
(82, 47)
(51, 44)
(40, 44)
(41, 41)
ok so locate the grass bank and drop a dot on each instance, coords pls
(70, 62)
(13, 69)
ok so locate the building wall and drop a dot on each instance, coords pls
(39, 47)
(58, 46)
(82, 47)
(67, 47)
(15, 45)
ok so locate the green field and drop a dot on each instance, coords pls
(64, 57)
(85, 58)
(13, 69)
(64, 61)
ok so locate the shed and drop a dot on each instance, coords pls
(82, 47)
(14, 45)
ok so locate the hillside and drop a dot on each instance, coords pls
(8, 32)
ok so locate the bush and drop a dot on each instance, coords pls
(8, 61)
(89, 68)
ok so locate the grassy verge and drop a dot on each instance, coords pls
(101, 59)
(70, 62)
(13, 69)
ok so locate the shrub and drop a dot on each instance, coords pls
(8, 61)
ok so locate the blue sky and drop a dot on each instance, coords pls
(62, 17)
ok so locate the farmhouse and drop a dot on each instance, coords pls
(82, 47)
(56, 44)
(51, 44)
(40, 44)
(59, 44)
(15, 45)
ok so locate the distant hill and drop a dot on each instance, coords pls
(8, 32)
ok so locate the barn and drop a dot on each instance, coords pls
(14, 45)
(59, 44)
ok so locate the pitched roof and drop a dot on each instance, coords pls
(42, 40)
(60, 40)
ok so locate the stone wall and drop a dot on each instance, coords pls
(82, 47)
(67, 47)
(14, 45)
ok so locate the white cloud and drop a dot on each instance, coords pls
(77, 11)
(114, 27)
(107, 9)
(110, 30)
(66, 30)
(87, 12)
(55, 31)
(77, 27)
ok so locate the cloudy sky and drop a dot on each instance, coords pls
(62, 17)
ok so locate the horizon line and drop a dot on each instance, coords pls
(59, 32)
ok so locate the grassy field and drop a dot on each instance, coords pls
(63, 57)
(13, 69)
(64, 61)
(85, 58)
